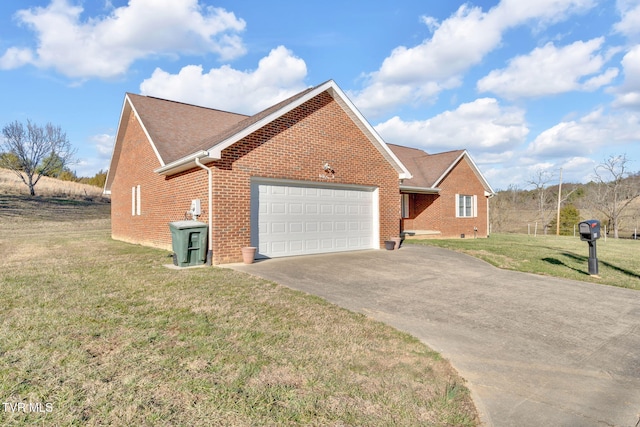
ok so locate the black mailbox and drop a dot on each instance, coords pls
(589, 229)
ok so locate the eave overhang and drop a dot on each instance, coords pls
(419, 190)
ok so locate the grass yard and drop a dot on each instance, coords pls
(98, 332)
(559, 256)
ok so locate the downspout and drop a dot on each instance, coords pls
(489, 214)
(209, 207)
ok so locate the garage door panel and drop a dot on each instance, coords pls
(326, 209)
(327, 244)
(296, 246)
(295, 191)
(341, 243)
(296, 227)
(326, 227)
(354, 242)
(293, 219)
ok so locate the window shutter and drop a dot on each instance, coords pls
(138, 200)
(457, 206)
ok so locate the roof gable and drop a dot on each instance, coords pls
(180, 133)
(211, 147)
(177, 129)
(173, 129)
(429, 170)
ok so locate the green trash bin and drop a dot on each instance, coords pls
(189, 242)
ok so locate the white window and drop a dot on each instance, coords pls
(466, 206)
(135, 200)
(405, 206)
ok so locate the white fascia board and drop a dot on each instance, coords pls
(475, 168)
(216, 151)
(184, 163)
(451, 166)
(126, 107)
(144, 129)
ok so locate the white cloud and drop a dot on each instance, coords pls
(278, 76)
(550, 70)
(96, 155)
(104, 144)
(105, 47)
(629, 24)
(628, 94)
(522, 169)
(420, 73)
(15, 57)
(482, 125)
(587, 135)
(540, 13)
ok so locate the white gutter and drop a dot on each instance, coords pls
(209, 206)
(182, 164)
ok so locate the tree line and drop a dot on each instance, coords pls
(34, 151)
(612, 197)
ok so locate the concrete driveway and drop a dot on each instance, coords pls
(536, 351)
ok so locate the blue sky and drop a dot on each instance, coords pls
(523, 86)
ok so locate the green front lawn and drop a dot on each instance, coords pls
(559, 256)
(99, 332)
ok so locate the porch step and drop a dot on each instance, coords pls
(416, 234)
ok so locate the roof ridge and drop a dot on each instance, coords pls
(187, 104)
(448, 152)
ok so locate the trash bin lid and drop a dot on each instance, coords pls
(181, 225)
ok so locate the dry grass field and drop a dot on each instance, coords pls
(98, 332)
(10, 183)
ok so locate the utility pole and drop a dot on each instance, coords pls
(559, 202)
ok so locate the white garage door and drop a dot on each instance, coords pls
(304, 218)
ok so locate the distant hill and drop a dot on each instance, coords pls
(518, 211)
(47, 187)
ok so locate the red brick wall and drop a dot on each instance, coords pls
(438, 212)
(295, 146)
(162, 200)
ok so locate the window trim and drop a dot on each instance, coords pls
(469, 205)
(136, 202)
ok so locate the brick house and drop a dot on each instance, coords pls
(307, 175)
(446, 196)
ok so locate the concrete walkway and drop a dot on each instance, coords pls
(536, 351)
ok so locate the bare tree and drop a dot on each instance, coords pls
(544, 200)
(613, 192)
(34, 151)
(504, 209)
